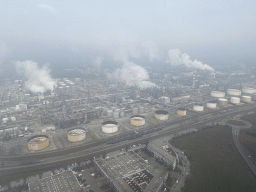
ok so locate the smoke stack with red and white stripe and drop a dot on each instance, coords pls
(214, 76)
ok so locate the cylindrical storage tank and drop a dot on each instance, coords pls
(142, 109)
(5, 120)
(235, 100)
(248, 90)
(135, 111)
(117, 110)
(247, 99)
(217, 94)
(109, 127)
(38, 142)
(181, 112)
(223, 102)
(76, 135)
(234, 92)
(161, 115)
(137, 120)
(13, 118)
(116, 115)
(212, 104)
(121, 114)
(198, 107)
(109, 113)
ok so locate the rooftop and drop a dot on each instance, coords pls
(164, 148)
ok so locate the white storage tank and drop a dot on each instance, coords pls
(248, 90)
(76, 135)
(135, 111)
(223, 102)
(116, 115)
(211, 104)
(235, 100)
(109, 127)
(198, 107)
(247, 99)
(217, 94)
(234, 92)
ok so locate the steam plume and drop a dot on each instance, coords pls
(97, 64)
(38, 80)
(133, 75)
(176, 58)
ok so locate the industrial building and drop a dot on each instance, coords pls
(161, 115)
(130, 173)
(38, 142)
(63, 182)
(163, 150)
(137, 120)
(109, 127)
(77, 134)
(182, 111)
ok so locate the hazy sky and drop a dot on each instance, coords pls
(47, 31)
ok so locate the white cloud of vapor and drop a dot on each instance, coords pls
(38, 80)
(133, 75)
(97, 64)
(177, 58)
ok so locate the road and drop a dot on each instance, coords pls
(249, 160)
(185, 171)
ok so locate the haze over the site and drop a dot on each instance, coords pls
(72, 33)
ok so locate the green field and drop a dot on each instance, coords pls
(216, 165)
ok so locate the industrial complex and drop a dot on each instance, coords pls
(81, 118)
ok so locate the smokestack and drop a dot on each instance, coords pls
(20, 89)
(214, 76)
(194, 80)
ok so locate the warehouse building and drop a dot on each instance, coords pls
(63, 182)
(163, 151)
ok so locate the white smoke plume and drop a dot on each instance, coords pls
(97, 64)
(38, 80)
(177, 58)
(133, 75)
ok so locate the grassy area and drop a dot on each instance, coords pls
(216, 165)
